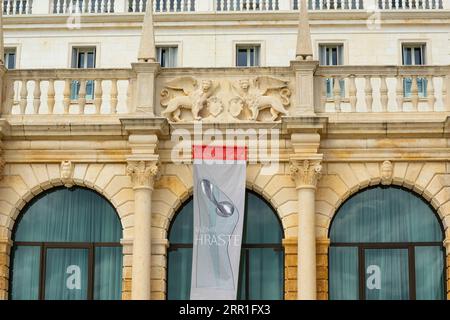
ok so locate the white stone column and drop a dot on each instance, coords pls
(306, 175)
(142, 174)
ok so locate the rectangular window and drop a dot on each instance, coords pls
(167, 56)
(83, 58)
(9, 58)
(332, 55)
(414, 55)
(248, 55)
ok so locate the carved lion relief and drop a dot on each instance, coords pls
(194, 96)
(213, 100)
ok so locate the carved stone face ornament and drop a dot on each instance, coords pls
(206, 85)
(386, 172)
(244, 84)
(67, 173)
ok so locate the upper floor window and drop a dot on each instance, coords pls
(248, 55)
(332, 55)
(83, 58)
(414, 55)
(167, 56)
(10, 58)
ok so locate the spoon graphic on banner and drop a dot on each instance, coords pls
(223, 208)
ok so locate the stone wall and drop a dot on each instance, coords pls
(22, 182)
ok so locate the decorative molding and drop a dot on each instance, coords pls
(67, 169)
(143, 173)
(386, 172)
(306, 174)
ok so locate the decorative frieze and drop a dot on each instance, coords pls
(306, 174)
(143, 173)
(187, 98)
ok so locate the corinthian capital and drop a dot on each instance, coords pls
(143, 173)
(305, 173)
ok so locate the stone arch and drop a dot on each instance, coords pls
(342, 180)
(23, 182)
(175, 187)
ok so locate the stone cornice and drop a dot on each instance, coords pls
(142, 124)
(309, 124)
(383, 125)
(202, 19)
(53, 127)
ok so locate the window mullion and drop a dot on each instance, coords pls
(42, 267)
(412, 272)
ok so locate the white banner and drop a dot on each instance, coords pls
(219, 199)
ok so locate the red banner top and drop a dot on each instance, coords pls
(202, 152)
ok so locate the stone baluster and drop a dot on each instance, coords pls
(445, 92)
(82, 97)
(431, 98)
(66, 95)
(10, 96)
(51, 96)
(414, 94)
(98, 95)
(368, 91)
(323, 94)
(114, 95)
(23, 96)
(352, 93)
(130, 103)
(400, 97)
(337, 93)
(37, 96)
(384, 99)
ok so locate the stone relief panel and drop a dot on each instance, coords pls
(262, 98)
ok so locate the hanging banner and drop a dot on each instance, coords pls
(219, 199)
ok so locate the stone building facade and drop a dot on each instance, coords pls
(329, 146)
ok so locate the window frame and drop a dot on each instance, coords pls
(413, 45)
(75, 53)
(340, 59)
(248, 45)
(8, 51)
(169, 47)
(422, 83)
(44, 245)
(411, 246)
(245, 248)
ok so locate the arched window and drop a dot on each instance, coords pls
(67, 246)
(386, 243)
(261, 273)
